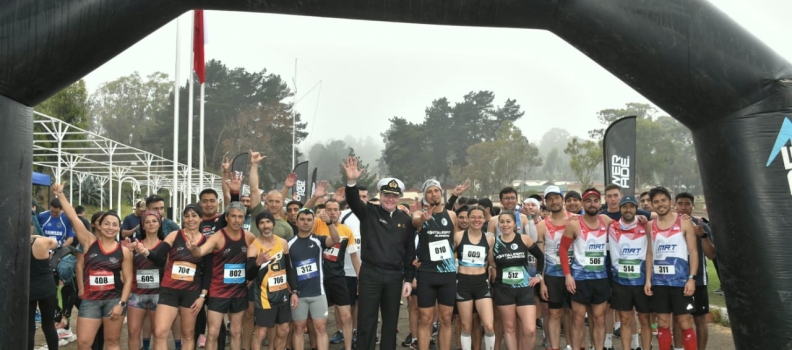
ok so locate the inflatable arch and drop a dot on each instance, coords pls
(686, 56)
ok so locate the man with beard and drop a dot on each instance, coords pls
(462, 217)
(628, 242)
(675, 260)
(274, 200)
(387, 252)
(552, 289)
(684, 206)
(587, 278)
(436, 279)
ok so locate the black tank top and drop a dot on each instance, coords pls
(436, 240)
(102, 272)
(228, 268)
(42, 280)
(183, 271)
(147, 274)
(512, 261)
(473, 255)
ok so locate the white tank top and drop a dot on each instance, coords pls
(670, 250)
(589, 248)
(627, 244)
(552, 243)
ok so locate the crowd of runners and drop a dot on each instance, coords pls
(474, 275)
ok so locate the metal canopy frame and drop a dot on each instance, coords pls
(110, 162)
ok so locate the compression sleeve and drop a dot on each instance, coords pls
(451, 201)
(159, 254)
(540, 258)
(563, 253)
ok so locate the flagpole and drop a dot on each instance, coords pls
(201, 141)
(175, 194)
(294, 116)
(190, 95)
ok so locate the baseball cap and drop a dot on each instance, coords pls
(553, 189)
(628, 199)
(573, 194)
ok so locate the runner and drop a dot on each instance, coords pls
(145, 288)
(291, 214)
(628, 242)
(274, 200)
(572, 202)
(42, 291)
(513, 284)
(474, 252)
(462, 217)
(108, 266)
(335, 281)
(646, 204)
(436, 279)
(227, 289)
(675, 257)
(587, 279)
(705, 248)
(508, 200)
(55, 225)
(185, 281)
(305, 251)
(272, 292)
(388, 251)
(552, 288)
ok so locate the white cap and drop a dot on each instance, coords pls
(553, 189)
(391, 185)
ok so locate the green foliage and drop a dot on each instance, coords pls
(70, 105)
(327, 159)
(491, 165)
(368, 178)
(431, 149)
(585, 160)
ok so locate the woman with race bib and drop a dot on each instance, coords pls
(148, 274)
(474, 252)
(107, 264)
(183, 288)
(514, 286)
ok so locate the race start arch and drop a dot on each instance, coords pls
(686, 56)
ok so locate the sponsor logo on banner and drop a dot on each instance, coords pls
(620, 171)
(300, 190)
(782, 146)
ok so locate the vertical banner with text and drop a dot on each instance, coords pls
(300, 190)
(618, 149)
(312, 187)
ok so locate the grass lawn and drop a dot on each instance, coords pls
(713, 284)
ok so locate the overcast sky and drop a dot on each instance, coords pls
(371, 71)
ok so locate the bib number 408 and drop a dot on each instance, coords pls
(100, 280)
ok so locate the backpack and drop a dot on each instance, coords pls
(59, 254)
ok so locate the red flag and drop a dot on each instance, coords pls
(198, 46)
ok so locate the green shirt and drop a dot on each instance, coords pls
(282, 228)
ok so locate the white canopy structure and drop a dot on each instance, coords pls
(111, 162)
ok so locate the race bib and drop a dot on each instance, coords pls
(531, 259)
(183, 271)
(100, 280)
(664, 269)
(277, 281)
(474, 255)
(439, 251)
(331, 254)
(513, 275)
(629, 269)
(148, 279)
(595, 261)
(306, 269)
(234, 273)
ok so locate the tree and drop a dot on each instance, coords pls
(585, 159)
(494, 164)
(326, 158)
(368, 178)
(70, 105)
(405, 153)
(125, 109)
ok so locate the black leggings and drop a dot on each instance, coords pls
(47, 307)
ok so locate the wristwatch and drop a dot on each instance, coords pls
(122, 303)
(296, 292)
(692, 277)
(539, 275)
(202, 296)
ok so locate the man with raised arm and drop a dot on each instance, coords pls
(387, 252)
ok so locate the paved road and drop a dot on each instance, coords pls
(719, 337)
